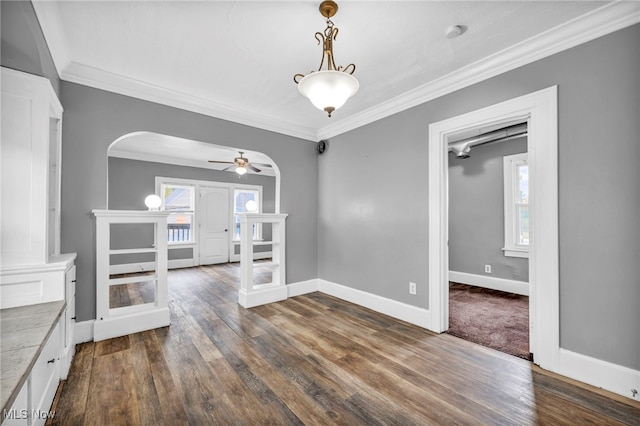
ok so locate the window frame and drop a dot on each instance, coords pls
(257, 235)
(511, 180)
(193, 231)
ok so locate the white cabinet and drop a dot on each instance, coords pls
(68, 320)
(30, 172)
(18, 414)
(32, 270)
(32, 406)
(45, 377)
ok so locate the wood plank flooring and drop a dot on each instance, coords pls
(312, 360)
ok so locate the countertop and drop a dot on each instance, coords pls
(23, 333)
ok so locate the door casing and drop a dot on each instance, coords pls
(540, 109)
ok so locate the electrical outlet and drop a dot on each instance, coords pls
(487, 269)
(412, 287)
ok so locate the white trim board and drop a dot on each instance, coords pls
(134, 322)
(611, 17)
(602, 374)
(393, 308)
(83, 331)
(540, 109)
(485, 281)
(130, 268)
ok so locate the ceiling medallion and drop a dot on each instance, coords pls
(328, 89)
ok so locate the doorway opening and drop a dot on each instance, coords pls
(489, 238)
(201, 196)
(539, 110)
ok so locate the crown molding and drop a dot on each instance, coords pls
(604, 20)
(104, 80)
(49, 18)
(51, 24)
(597, 23)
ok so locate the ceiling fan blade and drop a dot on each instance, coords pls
(229, 168)
(221, 162)
(255, 169)
(262, 164)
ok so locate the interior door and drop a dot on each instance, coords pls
(213, 216)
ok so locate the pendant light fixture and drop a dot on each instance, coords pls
(328, 89)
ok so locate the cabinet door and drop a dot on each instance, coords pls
(18, 415)
(29, 109)
(70, 297)
(45, 377)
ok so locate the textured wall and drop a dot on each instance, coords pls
(476, 212)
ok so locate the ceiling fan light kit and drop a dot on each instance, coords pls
(241, 165)
(328, 89)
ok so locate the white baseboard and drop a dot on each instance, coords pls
(83, 331)
(602, 374)
(502, 284)
(402, 311)
(131, 323)
(302, 287)
(267, 294)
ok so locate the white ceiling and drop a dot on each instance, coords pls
(236, 60)
(148, 146)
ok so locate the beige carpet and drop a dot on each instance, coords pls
(490, 318)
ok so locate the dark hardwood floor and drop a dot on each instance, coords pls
(311, 359)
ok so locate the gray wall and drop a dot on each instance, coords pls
(23, 46)
(372, 196)
(476, 212)
(373, 231)
(130, 181)
(93, 119)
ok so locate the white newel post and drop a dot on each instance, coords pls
(251, 294)
(120, 321)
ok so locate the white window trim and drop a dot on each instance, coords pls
(194, 232)
(511, 248)
(256, 188)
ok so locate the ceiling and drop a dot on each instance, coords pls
(236, 59)
(148, 146)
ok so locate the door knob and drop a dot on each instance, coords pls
(225, 230)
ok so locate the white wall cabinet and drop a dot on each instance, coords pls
(32, 270)
(31, 154)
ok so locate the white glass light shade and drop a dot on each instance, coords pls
(241, 170)
(153, 202)
(328, 89)
(251, 206)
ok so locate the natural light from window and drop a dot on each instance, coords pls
(516, 205)
(240, 199)
(180, 201)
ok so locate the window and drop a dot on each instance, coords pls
(516, 205)
(240, 199)
(180, 201)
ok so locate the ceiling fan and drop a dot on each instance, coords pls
(241, 164)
